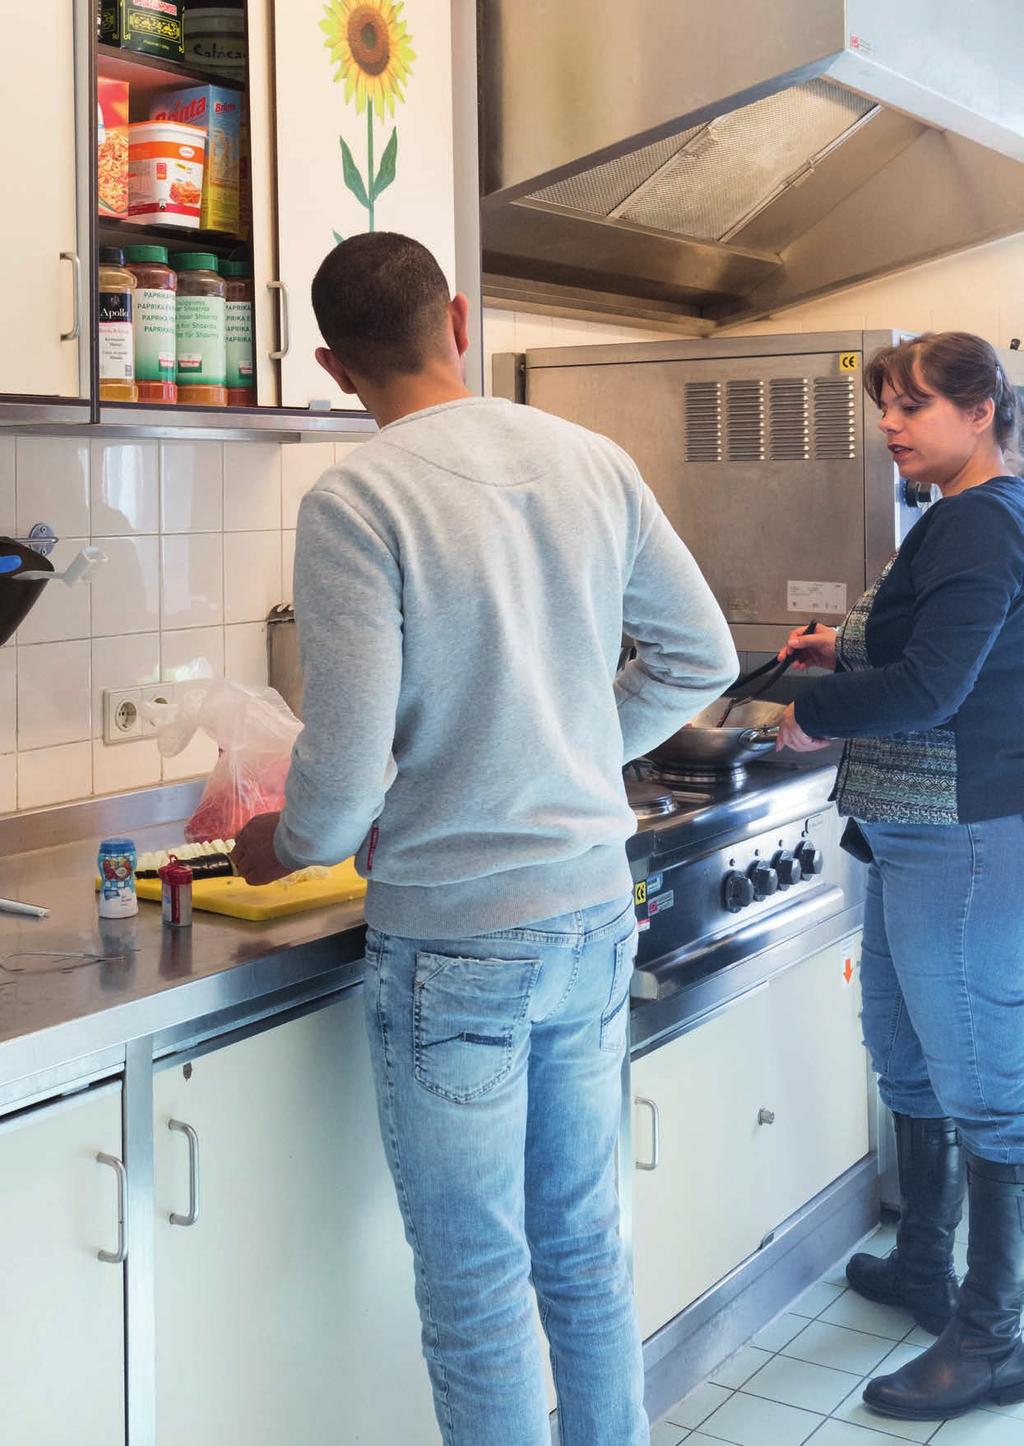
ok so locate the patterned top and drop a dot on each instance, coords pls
(905, 778)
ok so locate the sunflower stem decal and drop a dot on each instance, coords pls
(372, 52)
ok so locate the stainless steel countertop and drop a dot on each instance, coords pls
(138, 978)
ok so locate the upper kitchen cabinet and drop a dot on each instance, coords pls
(44, 276)
(364, 142)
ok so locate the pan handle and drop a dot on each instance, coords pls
(758, 740)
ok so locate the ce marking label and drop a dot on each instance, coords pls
(849, 361)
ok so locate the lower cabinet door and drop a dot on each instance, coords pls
(285, 1310)
(697, 1213)
(819, 1078)
(62, 1357)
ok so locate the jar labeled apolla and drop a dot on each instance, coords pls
(115, 318)
(176, 894)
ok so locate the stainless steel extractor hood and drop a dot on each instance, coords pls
(707, 162)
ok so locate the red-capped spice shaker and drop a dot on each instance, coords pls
(176, 895)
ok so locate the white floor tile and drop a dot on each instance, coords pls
(841, 1433)
(898, 1358)
(740, 1367)
(856, 1313)
(750, 1421)
(919, 1337)
(698, 1405)
(801, 1383)
(779, 1332)
(818, 1298)
(981, 1428)
(665, 1434)
(835, 1346)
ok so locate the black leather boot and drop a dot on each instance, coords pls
(919, 1273)
(979, 1358)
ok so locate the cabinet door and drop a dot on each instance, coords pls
(364, 142)
(38, 162)
(819, 1078)
(286, 1313)
(697, 1214)
(62, 1361)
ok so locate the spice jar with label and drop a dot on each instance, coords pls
(241, 388)
(201, 330)
(115, 313)
(156, 347)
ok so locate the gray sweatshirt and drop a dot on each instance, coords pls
(462, 583)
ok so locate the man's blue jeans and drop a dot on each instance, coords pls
(943, 976)
(498, 1069)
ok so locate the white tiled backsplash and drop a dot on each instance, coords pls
(200, 537)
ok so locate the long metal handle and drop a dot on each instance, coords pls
(76, 272)
(655, 1159)
(120, 1255)
(283, 328)
(193, 1173)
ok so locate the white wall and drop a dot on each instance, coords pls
(200, 538)
(981, 290)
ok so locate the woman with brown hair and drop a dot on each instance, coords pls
(928, 691)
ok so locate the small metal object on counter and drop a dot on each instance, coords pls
(176, 897)
(116, 861)
(14, 906)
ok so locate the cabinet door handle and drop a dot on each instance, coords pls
(76, 274)
(120, 1255)
(193, 1173)
(655, 1160)
(283, 328)
(765, 1117)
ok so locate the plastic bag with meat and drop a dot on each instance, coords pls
(254, 730)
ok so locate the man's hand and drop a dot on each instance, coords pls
(791, 735)
(254, 854)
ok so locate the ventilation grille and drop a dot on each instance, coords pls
(703, 422)
(790, 412)
(745, 422)
(835, 418)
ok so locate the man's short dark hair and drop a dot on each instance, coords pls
(381, 301)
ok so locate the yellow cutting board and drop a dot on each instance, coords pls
(267, 901)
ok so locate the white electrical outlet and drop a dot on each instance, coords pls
(122, 720)
(155, 693)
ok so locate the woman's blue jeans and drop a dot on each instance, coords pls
(498, 1066)
(943, 976)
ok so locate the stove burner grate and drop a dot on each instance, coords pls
(723, 779)
(649, 801)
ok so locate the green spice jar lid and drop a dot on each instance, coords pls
(111, 256)
(195, 261)
(235, 268)
(136, 255)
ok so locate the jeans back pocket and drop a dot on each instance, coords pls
(469, 1016)
(615, 1019)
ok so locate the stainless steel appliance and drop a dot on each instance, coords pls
(284, 667)
(764, 453)
(700, 162)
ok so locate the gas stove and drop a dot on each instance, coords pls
(730, 865)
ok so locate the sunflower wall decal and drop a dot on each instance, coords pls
(372, 54)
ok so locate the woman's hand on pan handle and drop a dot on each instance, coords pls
(811, 650)
(791, 735)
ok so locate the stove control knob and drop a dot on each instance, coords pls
(811, 860)
(787, 867)
(737, 892)
(763, 877)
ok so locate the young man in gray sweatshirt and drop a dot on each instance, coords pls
(462, 583)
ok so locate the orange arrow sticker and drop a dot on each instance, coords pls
(848, 970)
